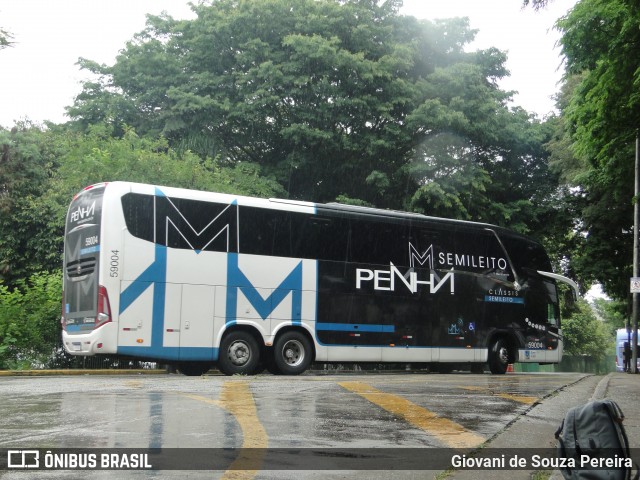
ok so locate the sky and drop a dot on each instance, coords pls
(39, 76)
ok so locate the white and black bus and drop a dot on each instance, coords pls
(198, 279)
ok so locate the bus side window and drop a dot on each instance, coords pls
(322, 238)
(138, 215)
(378, 243)
(553, 313)
(180, 223)
(542, 302)
(265, 232)
(423, 248)
(552, 318)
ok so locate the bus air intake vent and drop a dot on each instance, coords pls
(80, 268)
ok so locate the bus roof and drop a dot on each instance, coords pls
(335, 208)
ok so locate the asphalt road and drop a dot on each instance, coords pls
(352, 412)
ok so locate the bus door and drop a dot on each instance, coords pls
(189, 320)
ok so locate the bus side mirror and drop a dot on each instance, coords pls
(574, 291)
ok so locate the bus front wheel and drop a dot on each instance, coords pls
(499, 357)
(292, 353)
(239, 354)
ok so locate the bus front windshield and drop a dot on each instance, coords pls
(82, 249)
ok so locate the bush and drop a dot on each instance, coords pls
(30, 321)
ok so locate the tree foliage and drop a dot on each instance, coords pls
(584, 334)
(5, 38)
(29, 320)
(43, 169)
(333, 99)
(28, 158)
(319, 100)
(594, 146)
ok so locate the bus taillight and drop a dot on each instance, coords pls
(104, 308)
(63, 320)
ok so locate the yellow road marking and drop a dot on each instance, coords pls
(236, 398)
(519, 398)
(527, 400)
(445, 430)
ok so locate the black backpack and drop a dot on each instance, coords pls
(594, 429)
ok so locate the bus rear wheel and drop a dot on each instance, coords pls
(239, 354)
(292, 353)
(499, 357)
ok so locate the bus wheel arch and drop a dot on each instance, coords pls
(239, 351)
(293, 351)
(502, 352)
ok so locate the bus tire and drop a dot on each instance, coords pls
(499, 357)
(292, 353)
(239, 354)
(194, 369)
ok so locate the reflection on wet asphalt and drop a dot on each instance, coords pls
(339, 411)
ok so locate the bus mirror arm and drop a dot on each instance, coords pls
(561, 278)
(517, 285)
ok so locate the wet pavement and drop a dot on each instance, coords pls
(536, 428)
(348, 411)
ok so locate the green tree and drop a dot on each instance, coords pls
(43, 169)
(5, 39)
(614, 313)
(30, 321)
(28, 158)
(600, 118)
(334, 99)
(536, 4)
(584, 334)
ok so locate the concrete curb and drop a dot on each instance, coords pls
(601, 389)
(46, 373)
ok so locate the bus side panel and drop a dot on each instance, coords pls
(168, 301)
(135, 323)
(173, 316)
(196, 325)
(142, 276)
(200, 275)
(187, 267)
(371, 308)
(266, 291)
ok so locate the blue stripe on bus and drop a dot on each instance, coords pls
(358, 327)
(156, 275)
(237, 280)
(94, 249)
(203, 354)
(80, 327)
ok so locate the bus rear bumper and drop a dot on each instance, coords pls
(100, 341)
(540, 356)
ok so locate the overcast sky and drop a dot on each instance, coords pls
(39, 78)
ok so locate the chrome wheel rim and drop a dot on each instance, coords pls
(239, 353)
(503, 355)
(293, 353)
